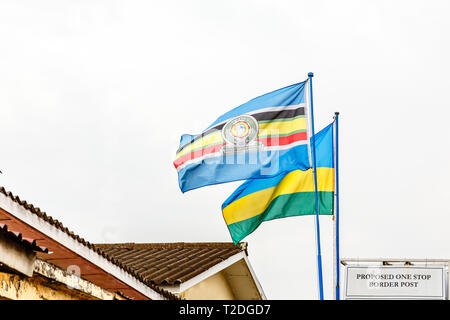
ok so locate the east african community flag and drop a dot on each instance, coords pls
(259, 139)
(286, 195)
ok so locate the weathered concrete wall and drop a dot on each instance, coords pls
(72, 281)
(17, 287)
(16, 257)
(50, 283)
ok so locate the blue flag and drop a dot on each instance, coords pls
(259, 139)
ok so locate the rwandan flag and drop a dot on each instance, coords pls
(258, 139)
(286, 195)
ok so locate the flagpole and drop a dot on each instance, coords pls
(319, 254)
(338, 288)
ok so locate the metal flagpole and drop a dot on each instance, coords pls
(319, 255)
(336, 168)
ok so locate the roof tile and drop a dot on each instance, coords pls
(170, 263)
(18, 238)
(59, 225)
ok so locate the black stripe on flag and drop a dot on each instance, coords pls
(283, 114)
(262, 116)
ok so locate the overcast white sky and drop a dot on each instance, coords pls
(94, 96)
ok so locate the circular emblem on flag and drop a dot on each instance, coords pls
(240, 130)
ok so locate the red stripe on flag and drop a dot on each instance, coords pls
(196, 154)
(268, 142)
(282, 141)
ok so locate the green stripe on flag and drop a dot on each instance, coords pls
(287, 205)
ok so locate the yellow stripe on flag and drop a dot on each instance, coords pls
(265, 129)
(212, 138)
(281, 127)
(296, 181)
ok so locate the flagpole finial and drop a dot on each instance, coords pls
(310, 74)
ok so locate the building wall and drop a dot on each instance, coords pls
(16, 287)
(215, 287)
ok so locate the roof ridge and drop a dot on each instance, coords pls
(57, 224)
(41, 214)
(137, 245)
(171, 263)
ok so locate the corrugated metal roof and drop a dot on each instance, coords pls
(170, 263)
(42, 215)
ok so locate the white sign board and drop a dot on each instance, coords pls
(395, 282)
